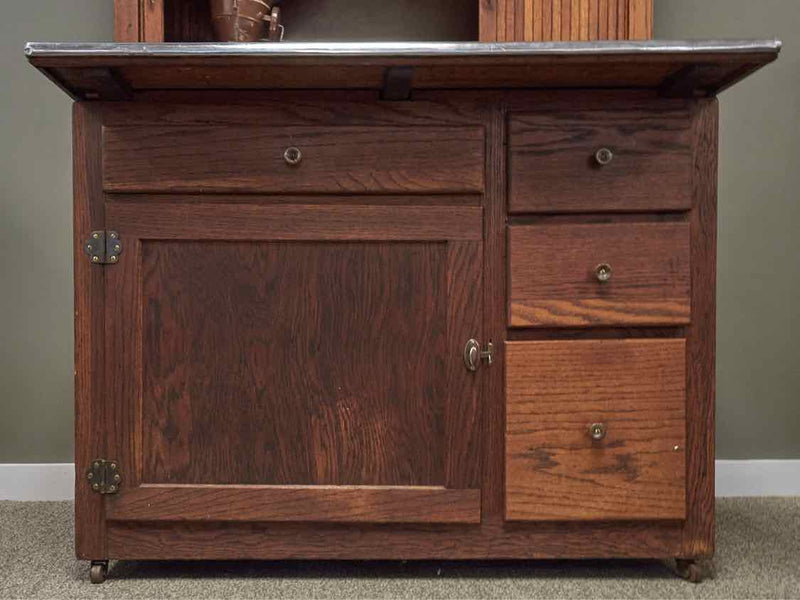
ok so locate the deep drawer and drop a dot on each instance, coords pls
(293, 160)
(599, 274)
(555, 160)
(595, 430)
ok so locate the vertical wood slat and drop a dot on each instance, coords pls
(501, 19)
(602, 31)
(487, 19)
(566, 19)
(519, 20)
(583, 34)
(528, 20)
(594, 19)
(538, 19)
(556, 21)
(547, 20)
(640, 19)
(126, 20)
(152, 21)
(613, 34)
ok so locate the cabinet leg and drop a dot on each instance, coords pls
(691, 569)
(98, 571)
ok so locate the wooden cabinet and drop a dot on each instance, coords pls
(317, 324)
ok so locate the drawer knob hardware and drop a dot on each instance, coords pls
(597, 431)
(474, 355)
(292, 156)
(603, 272)
(604, 156)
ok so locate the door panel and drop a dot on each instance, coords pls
(296, 379)
(277, 362)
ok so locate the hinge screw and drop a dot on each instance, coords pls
(95, 486)
(89, 247)
(112, 259)
(90, 476)
(117, 247)
(96, 236)
(113, 466)
(95, 259)
(112, 488)
(113, 235)
(117, 478)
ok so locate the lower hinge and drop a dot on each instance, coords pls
(104, 476)
(103, 247)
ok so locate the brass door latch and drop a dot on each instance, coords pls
(474, 355)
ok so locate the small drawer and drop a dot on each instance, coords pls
(595, 430)
(594, 161)
(293, 160)
(593, 275)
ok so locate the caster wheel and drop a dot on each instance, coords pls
(690, 570)
(98, 571)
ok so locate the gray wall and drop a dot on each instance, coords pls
(759, 288)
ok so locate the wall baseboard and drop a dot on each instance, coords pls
(733, 478)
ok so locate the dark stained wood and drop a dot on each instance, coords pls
(463, 419)
(186, 251)
(262, 365)
(698, 541)
(494, 314)
(555, 390)
(90, 440)
(172, 541)
(186, 21)
(251, 159)
(646, 70)
(295, 222)
(553, 169)
(318, 504)
(553, 279)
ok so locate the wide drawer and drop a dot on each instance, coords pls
(293, 160)
(555, 160)
(586, 275)
(595, 430)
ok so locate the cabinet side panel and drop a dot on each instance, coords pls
(89, 294)
(126, 20)
(699, 527)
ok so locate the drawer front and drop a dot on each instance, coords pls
(631, 395)
(293, 160)
(599, 275)
(554, 161)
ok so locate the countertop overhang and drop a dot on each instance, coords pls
(114, 71)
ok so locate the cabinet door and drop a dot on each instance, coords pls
(293, 363)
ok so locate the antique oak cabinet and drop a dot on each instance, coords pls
(395, 301)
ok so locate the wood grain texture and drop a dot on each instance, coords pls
(152, 19)
(487, 20)
(317, 504)
(570, 20)
(699, 540)
(208, 221)
(186, 21)
(556, 390)
(126, 20)
(334, 160)
(463, 419)
(288, 383)
(553, 280)
(275, 541)
(495, 247)
(90, 440)
(552, 165)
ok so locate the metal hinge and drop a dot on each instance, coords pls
(104, 476)
(103, 247)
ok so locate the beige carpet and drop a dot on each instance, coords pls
(758, 556)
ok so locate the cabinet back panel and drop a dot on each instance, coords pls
(277, 363)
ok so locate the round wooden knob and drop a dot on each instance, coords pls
(292, 156)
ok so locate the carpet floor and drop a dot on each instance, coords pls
(758, 556)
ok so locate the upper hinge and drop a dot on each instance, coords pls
(104, 476)
(103, 247)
